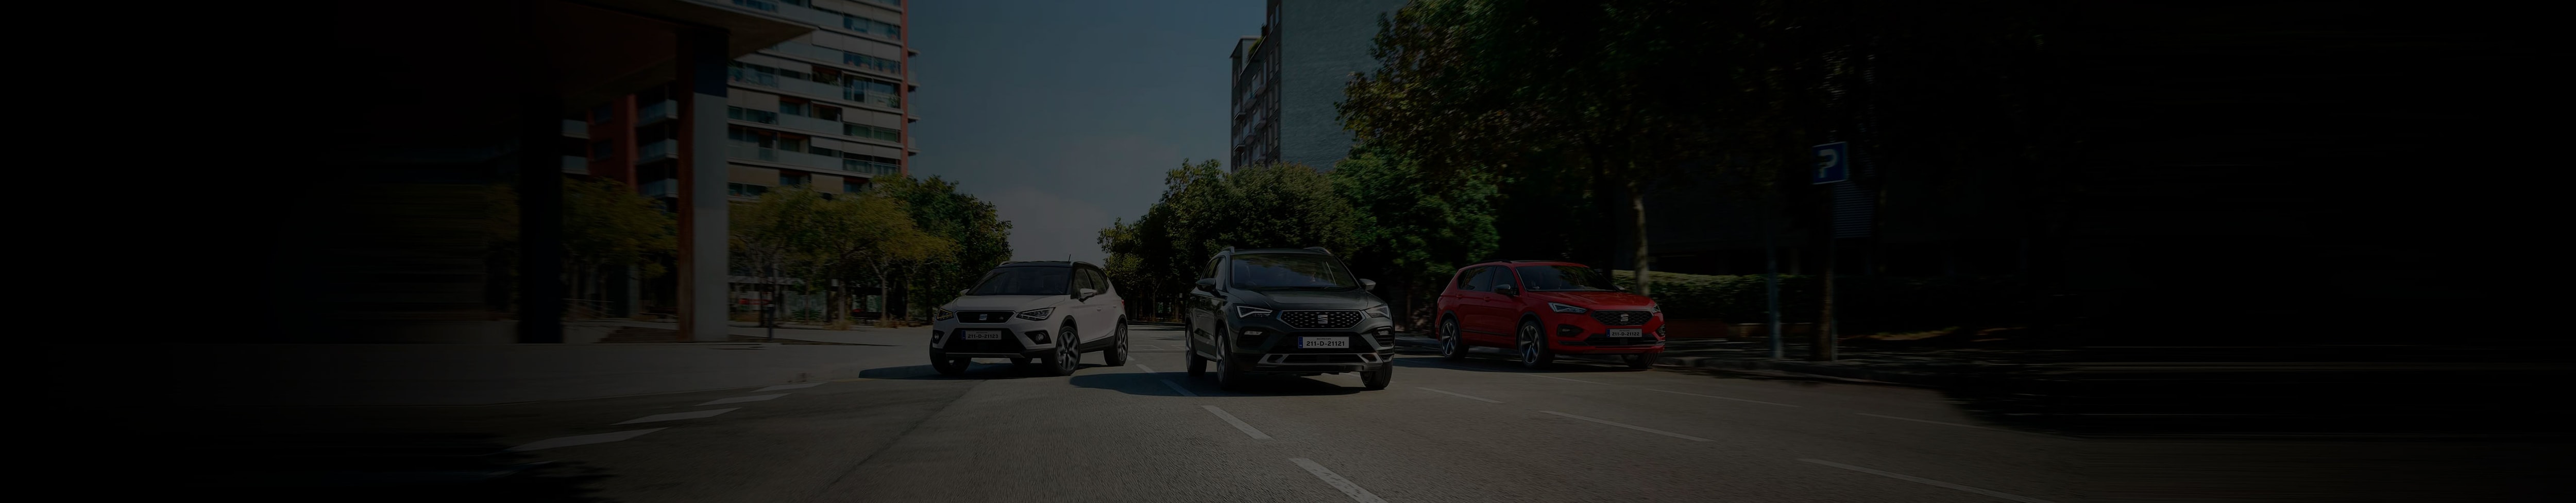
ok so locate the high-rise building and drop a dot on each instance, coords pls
(1287, 80)
(825, 109)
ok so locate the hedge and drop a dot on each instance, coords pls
(1862, 303)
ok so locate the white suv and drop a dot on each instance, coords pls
(1053, 311)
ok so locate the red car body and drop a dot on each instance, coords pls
(1572, 308)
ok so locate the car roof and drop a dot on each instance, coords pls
(1306, 251)
(1527, 262)
(1043, 263)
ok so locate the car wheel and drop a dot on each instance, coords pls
(1068, 353)
(948, 366)
(1228, 374)
(1451, 346)
(1534, 352)
(1116, 356)
(1641, 362)
(1377, 379)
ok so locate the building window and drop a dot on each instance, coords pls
(599, 115)
(746, 190)
(853, 186)
(751, 115)
(892, 135)
(757, 4)
(792, 179)
(872, 62)
(599, 149)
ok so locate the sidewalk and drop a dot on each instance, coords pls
(1923, 367)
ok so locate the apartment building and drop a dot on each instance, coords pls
(1287, 79)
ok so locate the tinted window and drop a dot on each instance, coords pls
(1497, 277)
(1475, 280)
(1561, 278)
(1026, 280)
(1290, 271)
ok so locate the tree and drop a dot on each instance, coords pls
(771, 232)
(1205, 209)
(1414, 233)
(982, 239)
(608, 224)
(873, 232)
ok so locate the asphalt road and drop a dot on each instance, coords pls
(1480, 430)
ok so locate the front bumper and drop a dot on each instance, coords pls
(1270, 345)
(1020, 338)
(1583, 334)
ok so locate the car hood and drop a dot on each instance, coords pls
(1350, 299)
(1002, 302)
(1597, 299)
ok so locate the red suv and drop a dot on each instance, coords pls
(1544, 308)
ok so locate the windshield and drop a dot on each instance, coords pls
(1026, 281)
(1563, 278)
(1291, 271)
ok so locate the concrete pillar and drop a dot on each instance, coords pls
(700, 95)
(541, 185)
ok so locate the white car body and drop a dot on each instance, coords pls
(1023, 325)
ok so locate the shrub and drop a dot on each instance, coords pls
(1862, 303)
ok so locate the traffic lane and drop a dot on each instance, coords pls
(1407, 445)
(1106, 434)
(2012, 462)
(1893, 400)
(783, 449)
(2291, 470)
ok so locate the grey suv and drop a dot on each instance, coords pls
(1288, 311)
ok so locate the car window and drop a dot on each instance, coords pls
(1564, 278)
(1025, 280)
(1499, 277)
(1475, 280)
(1290, 271)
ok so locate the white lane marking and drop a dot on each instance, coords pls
(695, 414)
(1725, 398)
(740, 399)
(1919, 420)
(1336, 480)
(600, 438)
(789, 386)
(1177, 387)
(1229, 418)
(1457, 395)
(1148, 370)
(1563, 379)
(1630, 426)
(1925, 481)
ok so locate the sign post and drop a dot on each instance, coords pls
(1833, 165)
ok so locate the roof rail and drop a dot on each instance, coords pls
(1320, 249)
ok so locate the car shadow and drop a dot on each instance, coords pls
(346, 466)
(977, 371)
(1153, 384)
(1483, 362)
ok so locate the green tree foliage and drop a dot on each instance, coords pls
(1414, 232)
(771, 234)
(1205, 209)
(982, 239)
(606, 224)
(873, 233)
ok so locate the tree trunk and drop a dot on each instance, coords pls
(1824, 351)
(1637, 207)
(885, 301)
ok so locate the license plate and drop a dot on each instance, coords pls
(983, 335)
(1627, 332)
(1323, 342)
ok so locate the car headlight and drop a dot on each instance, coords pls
(1655, 308)
(1565, 308)
(1036, 314)
(943, 314)
(1250, 312)
(1378, 312)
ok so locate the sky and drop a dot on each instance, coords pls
(1065, 115)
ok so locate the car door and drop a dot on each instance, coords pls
(1500, 313)
(1475, 307)
(1203, 308)
(1096, 324)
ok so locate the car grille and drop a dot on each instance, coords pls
(983, 316)
(958, 344)
(1622, 318)
(1323, 320)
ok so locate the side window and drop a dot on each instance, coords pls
(1211, 269)
(1501, 276)
(1101, 278)
(1477, 280)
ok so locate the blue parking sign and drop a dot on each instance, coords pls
(1833, 163)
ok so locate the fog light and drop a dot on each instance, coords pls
(1569, 331)
(1038, 336)
(934, 335)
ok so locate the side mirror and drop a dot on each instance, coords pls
(1085, 294)
(1207, 285)
(1506, 290)
(1368, 284)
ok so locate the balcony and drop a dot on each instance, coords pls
(665, 149)
(752, 152)
(870, 168)
(576, 165)
(830, 127)
(660, 188)
(657, 112)
(576, 129)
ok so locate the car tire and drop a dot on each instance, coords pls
(1197, 365)
(949, 366)
(1377, 379)
(1068, 353)
(1453, 345)
(1228, 374)
(1116, 355)
(1641, 362)
(1533, 346)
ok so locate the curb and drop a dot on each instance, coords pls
(1766, 367)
